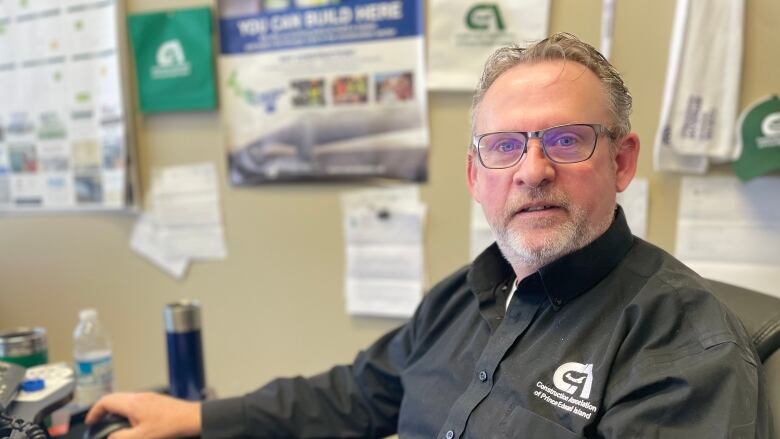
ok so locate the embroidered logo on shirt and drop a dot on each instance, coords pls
(573, 382)
(573, 377)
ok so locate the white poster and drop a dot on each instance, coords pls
(323, 90)
(62, 130)
(463, 33)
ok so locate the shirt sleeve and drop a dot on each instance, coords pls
(710, 393)
(357, 400)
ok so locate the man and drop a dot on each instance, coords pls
(567, 327)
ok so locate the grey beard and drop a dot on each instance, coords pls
(567, 237)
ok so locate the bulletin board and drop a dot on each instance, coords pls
(63, 129)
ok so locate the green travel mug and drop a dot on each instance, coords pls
(24, 346)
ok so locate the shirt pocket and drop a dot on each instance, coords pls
(522, 423)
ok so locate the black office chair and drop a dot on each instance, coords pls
(760, 313)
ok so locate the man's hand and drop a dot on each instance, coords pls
(152, 416)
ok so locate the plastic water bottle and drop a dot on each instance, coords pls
(92, 352)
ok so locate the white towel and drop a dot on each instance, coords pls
(702, 86)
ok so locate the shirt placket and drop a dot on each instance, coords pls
(518, 318)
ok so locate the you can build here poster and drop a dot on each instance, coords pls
(323, 90)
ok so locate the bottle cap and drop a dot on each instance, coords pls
(89, 313)
(182, 316)
(33, 384)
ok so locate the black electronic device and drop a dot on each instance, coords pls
(37, 392)
(11, 377)
(108, 424)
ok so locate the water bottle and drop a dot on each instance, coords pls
(92, 353)
(186, 373)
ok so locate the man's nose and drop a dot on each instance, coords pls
(535, 169)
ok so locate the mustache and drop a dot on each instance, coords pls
(555, 197)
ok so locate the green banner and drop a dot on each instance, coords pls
(173, 59)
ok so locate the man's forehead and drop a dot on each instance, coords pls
(544, 74)
(553, 92)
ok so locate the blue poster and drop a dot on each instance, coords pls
(323, 90)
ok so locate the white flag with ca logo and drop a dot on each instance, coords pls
(463, 33)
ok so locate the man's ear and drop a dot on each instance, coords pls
(626, 159)
(471, 173)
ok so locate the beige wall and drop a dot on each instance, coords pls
(276, 306)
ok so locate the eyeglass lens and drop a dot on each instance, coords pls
(566, 144)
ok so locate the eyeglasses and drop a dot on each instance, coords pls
(561, 144)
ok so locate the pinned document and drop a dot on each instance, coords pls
(635, 202)
(383, 230)
(184, 222)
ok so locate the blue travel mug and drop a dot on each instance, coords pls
(186, 374)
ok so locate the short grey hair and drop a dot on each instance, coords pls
(566, 47)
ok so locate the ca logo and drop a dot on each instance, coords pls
(170, 53)
(481, 15)
(571, 377)
(770, 126)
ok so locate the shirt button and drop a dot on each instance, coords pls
(450, 434)
(557, 301)
(482, 376)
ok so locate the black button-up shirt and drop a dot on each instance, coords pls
(618, 339)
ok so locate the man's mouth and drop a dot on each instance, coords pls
(538, 208)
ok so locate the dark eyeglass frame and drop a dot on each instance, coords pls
(598, 129)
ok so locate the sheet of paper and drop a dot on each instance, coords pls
(186, 204)
(384, 253)
(184, 222)
(759, 277)
(481, 235)
(146, 242)
(731, 230)
(635, 201)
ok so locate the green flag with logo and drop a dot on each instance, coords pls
(173, 59)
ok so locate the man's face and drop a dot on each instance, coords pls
(540, 210)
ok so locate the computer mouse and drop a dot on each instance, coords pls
(106, 425)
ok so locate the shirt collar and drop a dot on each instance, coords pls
(563, 279)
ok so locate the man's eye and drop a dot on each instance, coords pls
(565, 141)
(507, 146)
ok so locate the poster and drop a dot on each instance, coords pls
(463, 33)
(62, 130)
(323, 90)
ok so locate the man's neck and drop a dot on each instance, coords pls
(522, 271)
